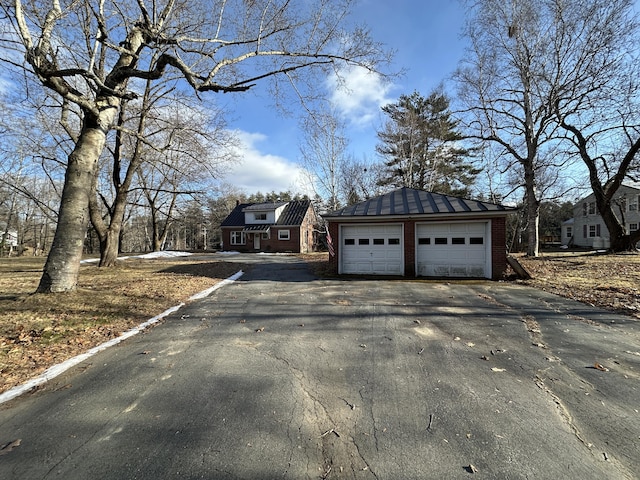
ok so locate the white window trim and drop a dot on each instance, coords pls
(284, 234)
(233, 238)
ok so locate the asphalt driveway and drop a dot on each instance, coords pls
(282, 375)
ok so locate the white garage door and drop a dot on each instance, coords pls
(373, 249)
(453, 250)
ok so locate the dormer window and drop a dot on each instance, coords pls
(260, 216)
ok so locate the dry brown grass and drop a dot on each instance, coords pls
(37, 330)
(607, 281)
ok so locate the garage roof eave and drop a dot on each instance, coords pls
(424, 217)
(411, 203)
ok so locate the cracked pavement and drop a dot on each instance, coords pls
(282, 375)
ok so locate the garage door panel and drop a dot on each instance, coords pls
(372, 249)
(452, 250)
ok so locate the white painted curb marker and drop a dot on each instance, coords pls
(56, 370)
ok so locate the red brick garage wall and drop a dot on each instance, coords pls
(498, 248)
(333, 260)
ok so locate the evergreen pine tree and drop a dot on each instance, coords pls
(421, 147)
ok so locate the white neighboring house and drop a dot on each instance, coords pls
(587, 228)
(11, 239)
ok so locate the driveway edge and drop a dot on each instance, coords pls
(60, 368)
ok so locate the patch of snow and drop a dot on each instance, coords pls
(163, 254)
(150, 255)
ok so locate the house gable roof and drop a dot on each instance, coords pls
(409, 202)
(623, 190)
(292, 215)
(236, 217)
(264, 207)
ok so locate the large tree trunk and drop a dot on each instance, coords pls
(532, 209)
(620, 241)
(63, 263)
(110, 246)
(110, 234)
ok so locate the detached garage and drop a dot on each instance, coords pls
(416, 233)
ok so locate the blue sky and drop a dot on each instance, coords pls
(426, 37)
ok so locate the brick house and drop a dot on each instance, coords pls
(270, 227)
(415, 233)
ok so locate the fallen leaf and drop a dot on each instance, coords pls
(362, 345)
(496, 369)
(261, 329)
(6, 448)
(600, 367)
(472, 468)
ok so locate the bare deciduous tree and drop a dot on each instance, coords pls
(164, 140)
(94, 54)
(599, 106)
(506, 102)
(542, 72)
(323, 154)
(360, 180)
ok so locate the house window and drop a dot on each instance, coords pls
(569, 232)
(633, 227)
(363, 241)
(424, 241)
(260, 216)
(349, 241)
(441, 241)
(594, 230)
(476, 241)
(237, 238)
(457, 241)
(393, 241)
(378, 241)
(633, 204)
(592, 208)
(284, 235)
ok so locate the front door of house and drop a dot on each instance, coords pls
(256, 241)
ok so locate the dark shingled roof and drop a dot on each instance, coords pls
(236, 217)
(408, 201)
(292, 215)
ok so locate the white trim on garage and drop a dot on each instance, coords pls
(453, 249)
(372, 249)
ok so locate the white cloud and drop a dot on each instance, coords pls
(257, 170)
(358, 94)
